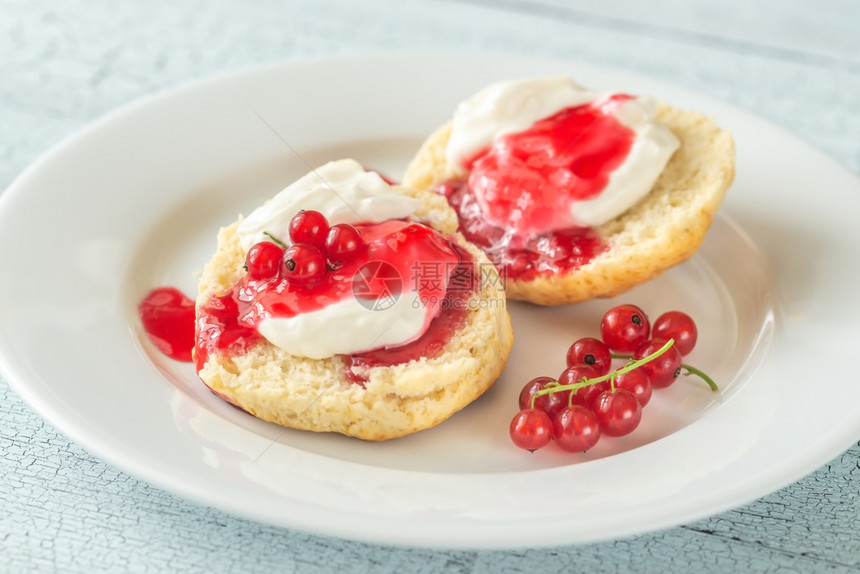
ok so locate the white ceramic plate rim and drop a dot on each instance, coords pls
(781, 452)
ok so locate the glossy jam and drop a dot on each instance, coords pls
(219, 327)
(519, 257)
(526, 179)
(517, 188)
(167, 316)
(452, 316)
(229, 322)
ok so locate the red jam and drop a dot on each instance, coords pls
(517, 187)
(452, 316)
(219, 328)
(415, 256)
(516, 257)
(168, 319)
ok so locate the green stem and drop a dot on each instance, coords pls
(551, 385)
(275, 239)
(574, 387)
(691, 370)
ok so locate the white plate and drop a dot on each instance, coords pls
(134, 202)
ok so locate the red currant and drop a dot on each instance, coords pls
(309, 227)
(303, 264)
(663, 370)
(611, 407)
(263, 260)
(624, 328)
(592, 352)
(531, 429)
(576, 374)
(342, 243)
(618, 412)
(576, 429)
(550, 403)
(635, 381)
(587, 395)
(678, 326)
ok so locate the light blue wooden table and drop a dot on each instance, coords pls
(63, 64)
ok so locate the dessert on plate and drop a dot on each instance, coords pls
(346, 304)
(572, 193)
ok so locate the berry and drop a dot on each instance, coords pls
(592, 352)
(303, 264)
(586, 395)
(618, 412)
(531, 429)
(624, 328)
(310, 227)
(550, 403)
(663, 370)
(576, 429)
(678, 326)
(635, 381)
(589, 400)
(263, 260)
(342, 243)
(576, 373)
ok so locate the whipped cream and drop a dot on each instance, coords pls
(347, 327)
(513, 106)
(508, 107)
(341, 190)
(345, 193)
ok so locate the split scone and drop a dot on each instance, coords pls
(401, 323)
(575, 194)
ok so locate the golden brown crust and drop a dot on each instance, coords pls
(314, 395)
(662, 230)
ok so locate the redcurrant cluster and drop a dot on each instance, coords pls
(315, 247)
(589, 399)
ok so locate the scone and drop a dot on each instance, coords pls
(336, 364)
(629, 216)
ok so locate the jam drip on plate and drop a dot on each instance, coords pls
(167, 316)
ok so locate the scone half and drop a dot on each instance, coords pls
(391, 400)
(663, 229)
